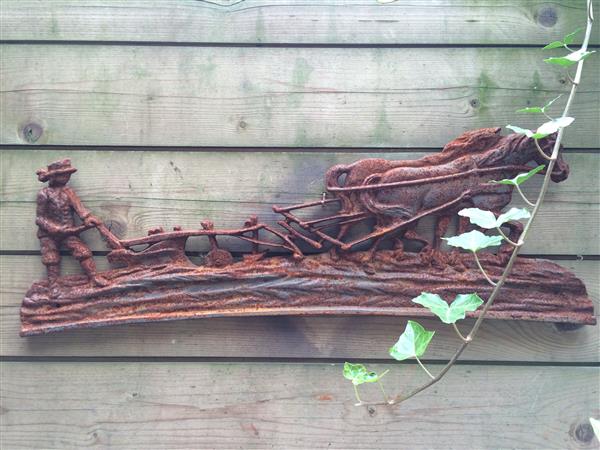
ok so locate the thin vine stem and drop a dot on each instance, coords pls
(541, 152)
(385, 396)
(460, 335)
(507, 239)
(525, 199)
(425, 368)
(487, 277)
(513, 257)
(360, 402)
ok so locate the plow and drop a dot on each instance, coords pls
(391, 197)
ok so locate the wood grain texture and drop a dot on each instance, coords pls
(288, 337)
(136, 191)
(298, 97)
(292, 406)
(294, 21)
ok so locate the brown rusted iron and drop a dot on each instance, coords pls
(159, 282)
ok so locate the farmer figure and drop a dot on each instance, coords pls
(56, 205)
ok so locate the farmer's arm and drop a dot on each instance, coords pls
(80, 210)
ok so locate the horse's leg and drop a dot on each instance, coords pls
(441, 227)
(463, 225)
(346, 208)
(372, 251)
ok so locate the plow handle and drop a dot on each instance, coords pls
(112, 241)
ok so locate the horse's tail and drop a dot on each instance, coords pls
(368, 199)
(332, 176)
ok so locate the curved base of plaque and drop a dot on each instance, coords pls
(537, 290)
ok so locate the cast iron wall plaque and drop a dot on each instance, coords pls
(350, 262)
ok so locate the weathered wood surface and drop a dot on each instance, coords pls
(202, 95)
(292, 406)
(136, 191)
(294, 21)
(289, 337)
(299, 97)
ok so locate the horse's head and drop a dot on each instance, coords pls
(560, 172)
(518, 149)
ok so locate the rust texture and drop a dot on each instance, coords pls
(379, 203)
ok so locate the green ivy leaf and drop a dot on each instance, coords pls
(512, 214)
(570, 59)
(479, 217)
(412, 343)
(358, 374)
(531, 109)
(545, 129)
(595, 423)
(433, 303)
(474, 241)
(521, 178)
(462, 304)
(487, 219)
(555, 44)
(449, 313)
(538, 109)
(569, 38)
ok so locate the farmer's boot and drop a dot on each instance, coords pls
(89, 267)
(53, 271)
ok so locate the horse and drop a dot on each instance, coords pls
(355, 174)
(399, 197)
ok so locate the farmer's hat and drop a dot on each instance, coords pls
(55, 168)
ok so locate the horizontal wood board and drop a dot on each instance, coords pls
(136, 191)
(289, 337)
(278, 97)
(189, 75)
(292, 406)
(337, 22)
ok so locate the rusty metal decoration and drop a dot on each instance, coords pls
(350, 262)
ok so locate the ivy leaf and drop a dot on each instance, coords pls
(545, 129)
(531, 109)
(449, 313)
(520, 130)
(462, 304)
(479, 217)
(487, 219)
(570, 59)
(358, 374)
(595, 423)
(538, 109)
(553, 126)
(512, 214)
(555, 44)
(412, 343)
(569, 38)
(433, 303)
(521, 178)
(474, 241)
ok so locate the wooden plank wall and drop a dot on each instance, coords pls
(180, 110)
